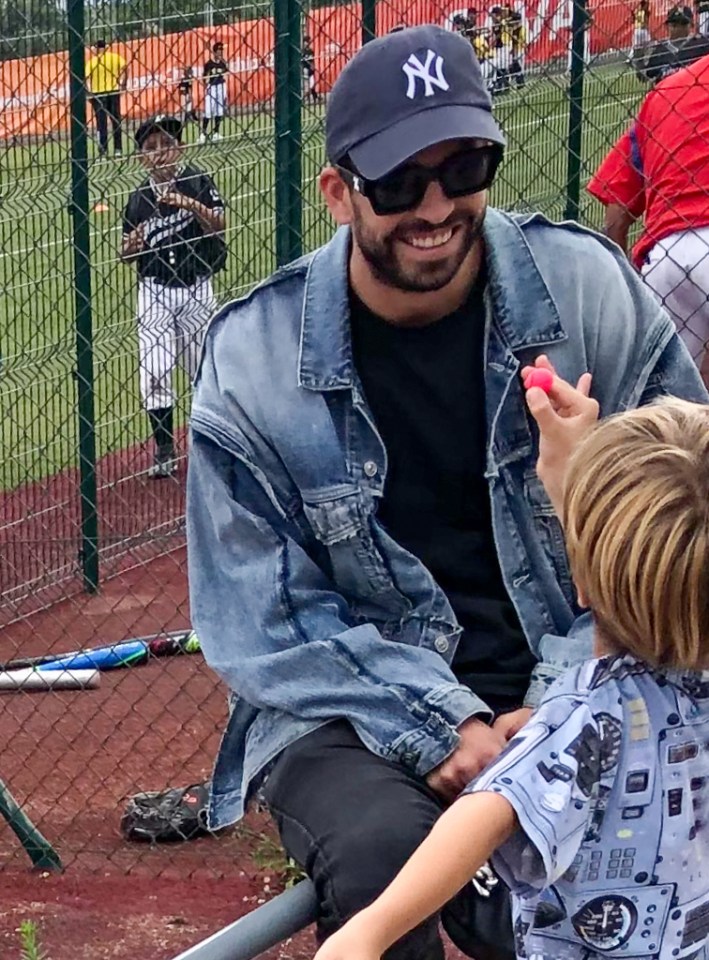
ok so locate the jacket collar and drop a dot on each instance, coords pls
(524, 309)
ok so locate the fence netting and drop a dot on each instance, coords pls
(93, 444)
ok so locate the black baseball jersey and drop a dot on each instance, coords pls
(185, 87)
(176, 252)
(669, 56)
(308, 60)
(215, 72)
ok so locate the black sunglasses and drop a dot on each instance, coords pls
(463, 173)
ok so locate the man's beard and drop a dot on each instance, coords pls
(380, 254)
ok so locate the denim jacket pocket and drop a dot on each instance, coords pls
(550, 532)
(340, 519)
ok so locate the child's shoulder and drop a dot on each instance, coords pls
(601, 679)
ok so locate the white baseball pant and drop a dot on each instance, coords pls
(704, 23)
(501, 58)
(171, 322)
(677, 271)
(641, 38)
(215, 101)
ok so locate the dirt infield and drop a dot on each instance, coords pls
(129, 918)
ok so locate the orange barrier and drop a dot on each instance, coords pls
(34, 93)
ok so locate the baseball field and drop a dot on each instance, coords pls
(37, 388)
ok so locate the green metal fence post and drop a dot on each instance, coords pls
(288, 147)
(579, 34)
(79, 206)
(369, 20)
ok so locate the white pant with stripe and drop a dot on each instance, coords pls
(677, 271)
(171, 322)
(641, 38)
(215, 101)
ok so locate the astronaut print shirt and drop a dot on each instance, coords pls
(609, 782)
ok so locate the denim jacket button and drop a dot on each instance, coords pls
(441, 644)
(370, 468)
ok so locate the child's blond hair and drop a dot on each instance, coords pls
(636, 517)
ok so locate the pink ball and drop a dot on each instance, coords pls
(539, 377)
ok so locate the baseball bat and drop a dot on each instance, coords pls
(38, 848)
(121, 654)
(33, 679)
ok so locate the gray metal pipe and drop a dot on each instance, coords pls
(261, 929)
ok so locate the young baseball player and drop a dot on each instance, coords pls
(186, 91)
(500, 42)
(641, 26)
(307, 64)
(173, 230)
(702, 8)
(215, 74)
(596, 813)
(518, 35)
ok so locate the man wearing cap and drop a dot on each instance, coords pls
(173, 231)
(678, 50)
(375, 571)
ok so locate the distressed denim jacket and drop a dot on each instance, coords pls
(304, 605)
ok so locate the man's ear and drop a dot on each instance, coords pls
(337, 196)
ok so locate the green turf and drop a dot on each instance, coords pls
(37, 390)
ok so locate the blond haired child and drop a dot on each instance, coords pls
(596, 815)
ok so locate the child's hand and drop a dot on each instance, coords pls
(564, 417)
(351, 942)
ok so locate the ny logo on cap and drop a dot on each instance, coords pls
(429, 73)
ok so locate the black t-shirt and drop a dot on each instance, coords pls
(425, 387)
(668, 56)
(177, 252)
(215, 71)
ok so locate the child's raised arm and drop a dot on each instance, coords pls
(459, 844)
(564, 415)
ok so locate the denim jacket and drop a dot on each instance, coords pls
(305, 606)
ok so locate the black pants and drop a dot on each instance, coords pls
(107, 105)
(351, 820)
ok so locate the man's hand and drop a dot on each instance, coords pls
(508, 724)
(479, 745)
(564, 417)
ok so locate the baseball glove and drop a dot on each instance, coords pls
(167, 817)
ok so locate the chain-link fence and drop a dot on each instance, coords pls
(93, 436)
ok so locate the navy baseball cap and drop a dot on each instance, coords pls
(680, 16)
(172, 126)
(404, 92)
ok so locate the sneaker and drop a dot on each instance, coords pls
(118, 153)
(217, 136)
(165, 465)
(202, 138)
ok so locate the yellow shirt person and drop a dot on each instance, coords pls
(105, 71)
(105, 75)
